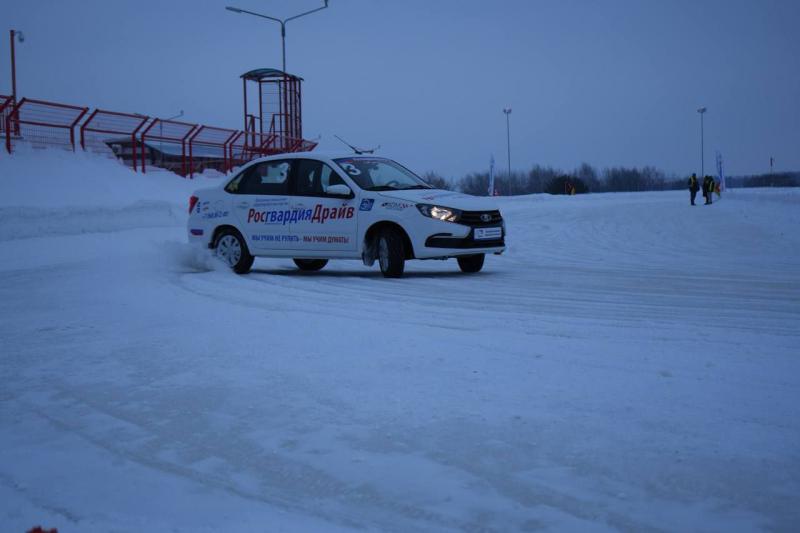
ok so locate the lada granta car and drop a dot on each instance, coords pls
(314, 208)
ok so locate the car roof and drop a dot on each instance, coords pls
(317, 155)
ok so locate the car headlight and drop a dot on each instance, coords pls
(446, 214)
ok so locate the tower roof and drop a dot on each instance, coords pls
(268, 73)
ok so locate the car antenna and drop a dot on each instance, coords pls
(359, 151)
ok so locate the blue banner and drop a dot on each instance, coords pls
(491, 176)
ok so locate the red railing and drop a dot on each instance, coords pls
(6, 104)
(178, 146)
(212, 143)
(166, 136)
(249, 145)
(281, 143)
(104, 126)
(43, 123)
(293, 144)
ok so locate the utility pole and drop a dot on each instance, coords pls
(507, 111)
(19, 35)
(702, 112)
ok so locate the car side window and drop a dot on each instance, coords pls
(233, 185)
(313, 178)
(267, 177)
(331, 178)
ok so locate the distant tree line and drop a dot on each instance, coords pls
(583, 179)
(586, 178)
(432, 178)
(777, 179)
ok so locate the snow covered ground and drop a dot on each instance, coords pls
(632, 363)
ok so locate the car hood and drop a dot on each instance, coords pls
(456, 200)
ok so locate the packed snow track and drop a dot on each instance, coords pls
(631, 363)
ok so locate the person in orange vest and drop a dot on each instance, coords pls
(693, 188)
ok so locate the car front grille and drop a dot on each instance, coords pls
(475, 218)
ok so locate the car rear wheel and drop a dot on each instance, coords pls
(391, 253)
(310, 265)
(231, 248)
(471, 263)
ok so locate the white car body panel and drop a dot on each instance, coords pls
(297, 226)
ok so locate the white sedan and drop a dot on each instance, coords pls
(313, 208)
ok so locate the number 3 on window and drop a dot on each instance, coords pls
(351, 169)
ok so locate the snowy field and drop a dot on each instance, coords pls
(631, 363)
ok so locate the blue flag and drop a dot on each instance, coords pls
(491, 176)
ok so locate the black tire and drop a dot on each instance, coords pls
(391, 253)
(471, 263)
(232, 250)
(310, 265)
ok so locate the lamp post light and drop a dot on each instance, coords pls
(279, 21)
(702, 112)
(508, 140)
(21, 37)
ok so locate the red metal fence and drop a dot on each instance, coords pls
(212, 144)
(104, 126)
(165, 139)
(43, 124)
(137, 139)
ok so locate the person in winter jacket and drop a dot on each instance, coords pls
(693, 188)
(705, 189)
(708, 189)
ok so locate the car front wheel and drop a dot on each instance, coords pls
(471, 263)
(310, 265)
(231, 248)
(391, 253)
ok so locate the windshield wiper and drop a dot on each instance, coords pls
(381, 188)
(416, 187)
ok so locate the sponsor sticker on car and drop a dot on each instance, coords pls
(291, 216)
(396, 206)
(275, 238)
(326, 239)
(214, 214)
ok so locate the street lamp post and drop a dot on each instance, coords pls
(19, 35)
(702, 112)
(508, 140)
(279, 21)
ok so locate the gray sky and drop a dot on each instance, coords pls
(607, 82)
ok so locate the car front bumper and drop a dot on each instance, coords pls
(468, 242)
(459, 240)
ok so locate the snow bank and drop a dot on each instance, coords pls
(53, 192)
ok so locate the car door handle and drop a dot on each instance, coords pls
(243, 205)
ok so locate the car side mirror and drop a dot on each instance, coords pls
(339, 190)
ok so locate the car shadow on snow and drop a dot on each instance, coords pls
(365, 274)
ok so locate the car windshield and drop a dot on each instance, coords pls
(378, 174)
